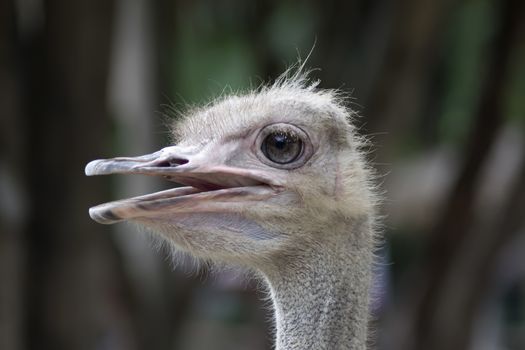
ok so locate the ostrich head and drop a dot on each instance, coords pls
(273, 179)
(265, 174)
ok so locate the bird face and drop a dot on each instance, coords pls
(261, 174)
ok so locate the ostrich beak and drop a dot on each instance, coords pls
(210, 185)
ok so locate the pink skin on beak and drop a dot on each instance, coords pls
(211, 188)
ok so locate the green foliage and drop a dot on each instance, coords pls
(208, 54)
(212, 47)
(204, 64)
(291, 28)
(466, 51)
(516, 89)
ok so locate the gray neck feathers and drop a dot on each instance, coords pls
(321, 295)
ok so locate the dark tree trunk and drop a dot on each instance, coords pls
(75, 294)
(12, 195)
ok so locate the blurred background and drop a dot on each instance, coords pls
(440, 85)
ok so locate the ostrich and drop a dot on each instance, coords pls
(275, 180)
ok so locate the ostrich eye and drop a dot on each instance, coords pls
(282, 147)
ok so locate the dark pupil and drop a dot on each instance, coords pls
(280, 141)
(282, 147)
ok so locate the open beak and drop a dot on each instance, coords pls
(210, 186)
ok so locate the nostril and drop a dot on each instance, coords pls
(177, 161)
(171, 162)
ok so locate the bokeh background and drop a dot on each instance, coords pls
(440, 86)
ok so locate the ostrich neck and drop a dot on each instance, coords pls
(321, 296)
